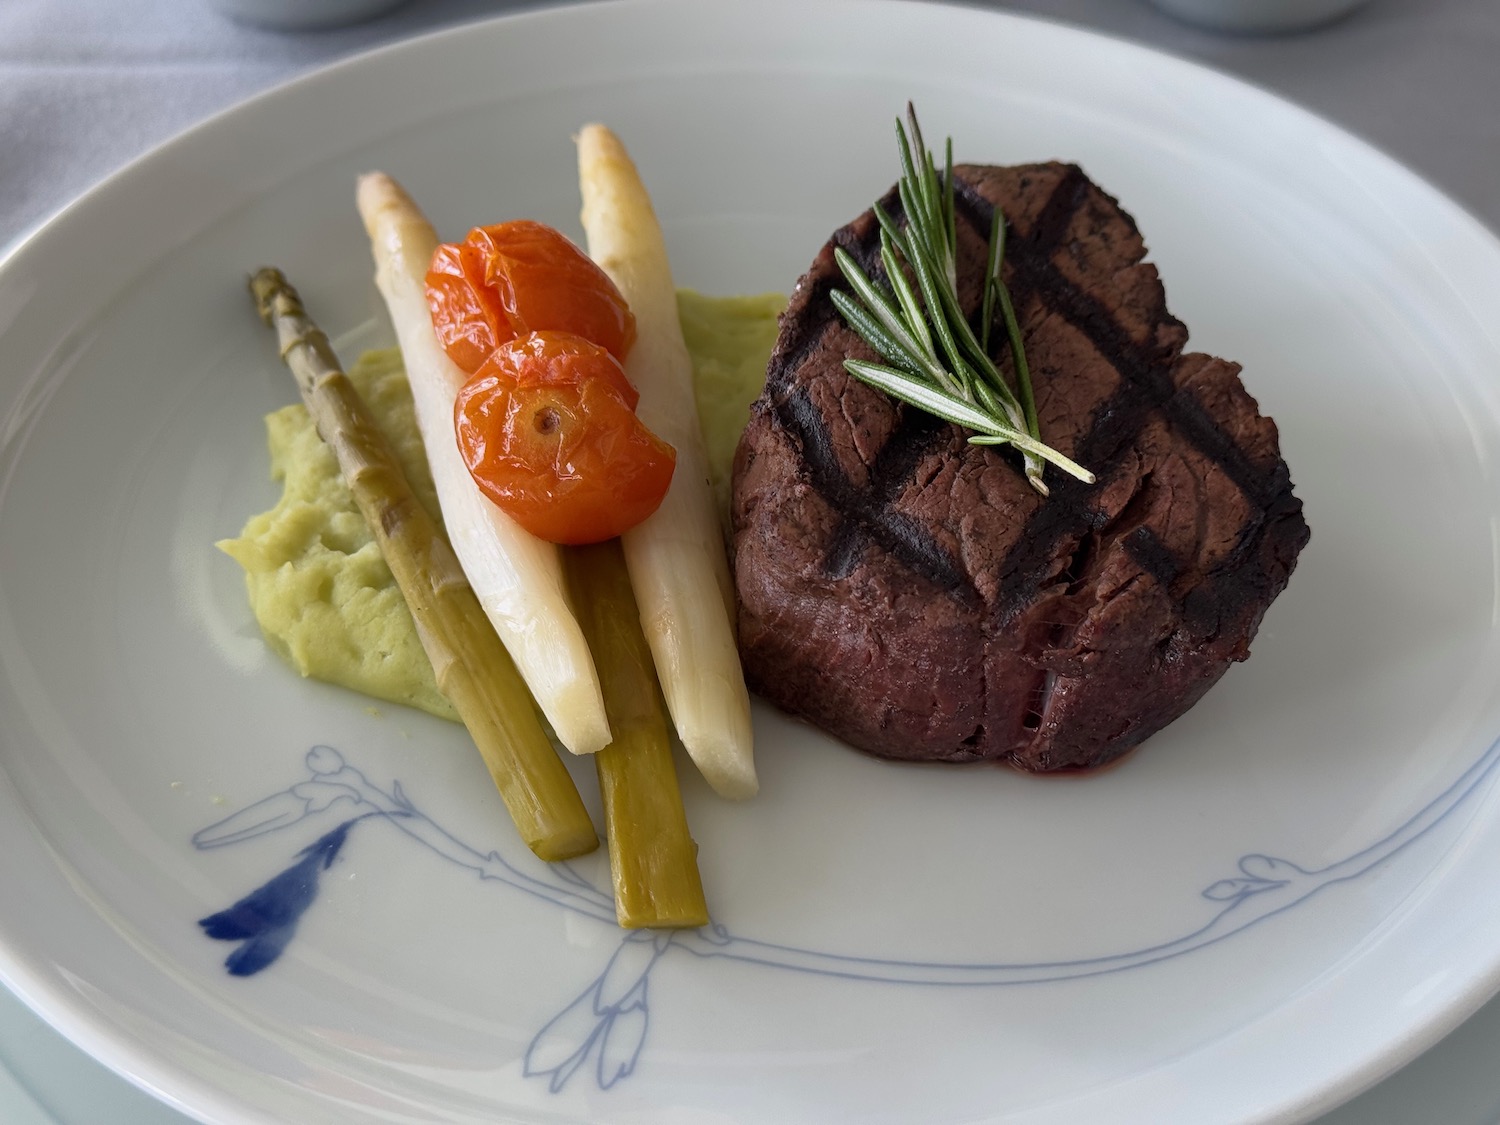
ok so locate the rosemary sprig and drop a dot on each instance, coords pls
(932, 358)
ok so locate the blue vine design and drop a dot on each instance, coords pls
(603, 1030)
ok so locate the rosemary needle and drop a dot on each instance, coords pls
(932, 358)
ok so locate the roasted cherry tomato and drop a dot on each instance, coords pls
(547, 427)
(466, 315)
(505, 281)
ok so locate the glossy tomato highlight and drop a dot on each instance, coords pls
(505, 281)
(547, 427)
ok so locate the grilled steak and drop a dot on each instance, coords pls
(911, 594)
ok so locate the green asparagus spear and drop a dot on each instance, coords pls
(472, 667)
(651, 854)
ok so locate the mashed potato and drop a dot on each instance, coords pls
(318, 586)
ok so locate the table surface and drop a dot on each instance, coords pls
(88, 85)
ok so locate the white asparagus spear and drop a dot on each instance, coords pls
(517, 577)
(676, 557)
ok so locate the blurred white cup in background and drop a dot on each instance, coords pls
(1258, 15)
(302, 15)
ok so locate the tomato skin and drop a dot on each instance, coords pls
(549, 434)
(558, 357)
(505, 281)
(466, 315)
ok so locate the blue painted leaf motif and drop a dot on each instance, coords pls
(624, 1034)
(560, 1048)
(265, 919)
(1261, 873)
(1227, 890)
(610, 1018)
(1269, 867)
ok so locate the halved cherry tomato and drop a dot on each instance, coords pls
(505, 281)
(547, 427)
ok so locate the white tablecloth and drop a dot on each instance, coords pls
(88, 85)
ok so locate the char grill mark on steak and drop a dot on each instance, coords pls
(781, 365)
(903, 450)
(894, 464)
(1052, 221)
(1154, 557)
(866, 514)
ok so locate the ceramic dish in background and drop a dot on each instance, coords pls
(1266, 17)
(1279, 900)
(303, 15)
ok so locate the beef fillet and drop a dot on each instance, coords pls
(911, 594)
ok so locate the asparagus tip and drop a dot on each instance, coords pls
(266, 284)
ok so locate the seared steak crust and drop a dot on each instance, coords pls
(911, 594)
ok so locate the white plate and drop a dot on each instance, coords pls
(1281, 898)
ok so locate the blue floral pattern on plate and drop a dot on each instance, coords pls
(604, 1029)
